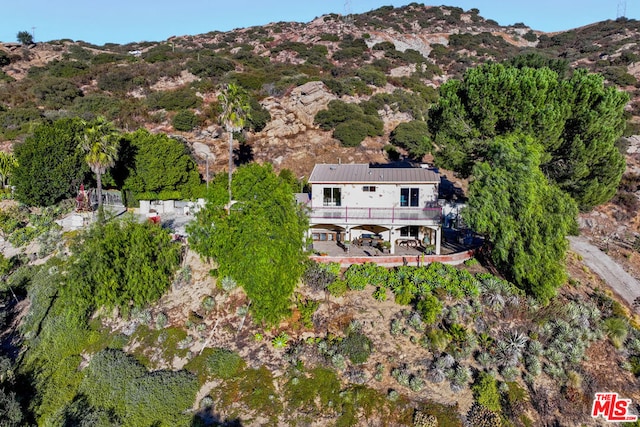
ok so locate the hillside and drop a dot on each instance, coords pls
(355, 351)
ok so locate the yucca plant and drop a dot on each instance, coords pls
(554, 356)
(436, 375)
(554, 371)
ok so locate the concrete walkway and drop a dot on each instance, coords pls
(610, 271)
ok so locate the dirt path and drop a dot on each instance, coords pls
(611, 272)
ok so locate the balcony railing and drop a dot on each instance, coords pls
(401, 215)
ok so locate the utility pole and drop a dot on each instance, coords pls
(33, 34)
(622, 9)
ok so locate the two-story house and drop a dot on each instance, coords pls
(351, 200)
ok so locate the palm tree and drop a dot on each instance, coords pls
(235, 112)
(101, 145)
(7, 164)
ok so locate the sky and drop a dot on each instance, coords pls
(122, 22)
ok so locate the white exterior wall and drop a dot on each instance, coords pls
(385, 196)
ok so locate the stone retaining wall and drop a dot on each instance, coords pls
(397, 260)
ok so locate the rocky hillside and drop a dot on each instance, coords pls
(293, 70)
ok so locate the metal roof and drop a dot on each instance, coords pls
(363, 173)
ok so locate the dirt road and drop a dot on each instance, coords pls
(611, 272)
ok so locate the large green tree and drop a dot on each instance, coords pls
(100, 143)
(524, 217)
(155, 165)
(257, 241)
(51, 163)
(576, 121)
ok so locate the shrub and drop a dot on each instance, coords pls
(485, 391)
(616, 329)
(223, 363)
(414, 137)
(430, 308)
(357, 347)
(179, 99)
(185, 120)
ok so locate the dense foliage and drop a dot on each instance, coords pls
(524, 216)
(350, 124)
(576, 121)
(120, 264)
(116, 382)
(156, 166)
(257, 241)
(412, 136)
(51, 163)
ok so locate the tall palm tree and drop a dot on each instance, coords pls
(100, 143)
(235, 112)
(7, 164)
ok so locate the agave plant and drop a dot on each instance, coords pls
(509, 373)
(338, 361)
(484, 359)
(535, 347)
(396, 327)
(495, 301)
(532, 363)
(416, 383)
(228, 284)
(460, 378)
(506, 355)
(280, 341)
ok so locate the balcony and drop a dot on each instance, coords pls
(376, 216)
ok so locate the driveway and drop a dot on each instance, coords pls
(611, 272)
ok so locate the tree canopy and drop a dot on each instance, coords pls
(121, 263)
(152, 164)
(576, 121)
(525, 217)
(51, 163)
(257, 241)
(413, 136)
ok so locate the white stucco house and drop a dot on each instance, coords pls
(398, 205)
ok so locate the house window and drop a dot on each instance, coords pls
(369, 188)
(409, 196)
(409, 231)
(332, 197)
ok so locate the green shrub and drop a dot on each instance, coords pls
(357, 347)
(414, 137)
(174, 100)
(485, 391)
(223, 363)
(185, 120)
(307, 309)
(430, 308)
(616, 329)
(142, 261)
(351, 133)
